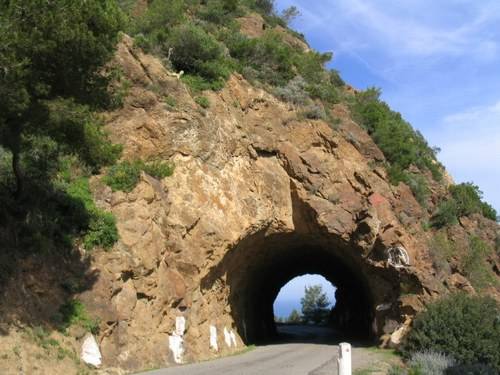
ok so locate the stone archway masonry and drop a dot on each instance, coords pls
(257, 194)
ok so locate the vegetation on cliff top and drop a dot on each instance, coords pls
(203, 39)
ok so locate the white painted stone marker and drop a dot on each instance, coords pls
(227, 337)
(175, 344)
(176, 341)
(232, 336)
(90, 351)
(180, 325)
(344, 360)
(213, 338)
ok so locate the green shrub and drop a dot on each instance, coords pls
(270, 58)
(124, 176)
(464, 327)
(441, 251)
(101, 226)
(314, 112)
(400, 143)
(488, 211)
(102, 230)
(465, 200)
(468, 198)
(264, 6)
(475, 266)
(396, 370)
(445, 215)
(74, 312)
(158, 169)
(81, 131)
(417, 183)
(294, 91)
(220, 12)
(198, 84)
(159, 17)
(202, 101)
(198, 53)
(475, 369)
(170, 101)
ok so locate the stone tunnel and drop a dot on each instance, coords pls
(261, 264)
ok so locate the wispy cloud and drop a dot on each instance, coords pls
(470, 144)
(362, 24)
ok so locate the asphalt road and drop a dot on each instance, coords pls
(307, 351)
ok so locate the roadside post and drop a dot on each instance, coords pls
(344, 360)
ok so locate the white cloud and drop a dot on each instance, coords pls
(407, 30)
(470, 144)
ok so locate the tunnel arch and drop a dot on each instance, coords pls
(262, 263)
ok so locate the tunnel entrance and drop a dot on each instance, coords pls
(257, 268)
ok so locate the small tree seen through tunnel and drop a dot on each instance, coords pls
(315, 305)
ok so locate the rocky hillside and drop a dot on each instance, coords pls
(275, 174)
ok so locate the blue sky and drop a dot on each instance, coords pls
(437, 62)
(290, 295)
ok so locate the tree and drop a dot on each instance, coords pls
(315, 304)
(289, 14)
(51, 58)
(294, 317)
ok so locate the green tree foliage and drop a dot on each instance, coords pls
(294, 317)
(400, 143)
(467, 328)
(466, 199)
(160, 16)
(264, 6)
(268, 58)
(315, 305)
(51, 51)
(289, 14)
(53, 79)
(220, 12)
(197, 52)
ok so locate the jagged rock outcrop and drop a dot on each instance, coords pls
(258, 196)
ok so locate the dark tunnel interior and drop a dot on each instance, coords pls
(261, 265)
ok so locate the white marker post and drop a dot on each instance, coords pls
(344, 360)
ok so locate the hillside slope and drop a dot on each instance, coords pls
(275, 175)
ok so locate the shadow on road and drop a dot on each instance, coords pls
(310, 334)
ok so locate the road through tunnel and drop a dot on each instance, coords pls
(261, 264)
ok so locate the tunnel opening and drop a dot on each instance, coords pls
(288, 307)
(257, 268)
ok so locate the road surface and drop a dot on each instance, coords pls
(307, 351)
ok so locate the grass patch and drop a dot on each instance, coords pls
(170, 101)
(125, 176)
(101, 229)
(202, 101)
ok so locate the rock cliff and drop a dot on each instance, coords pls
(259, 195)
